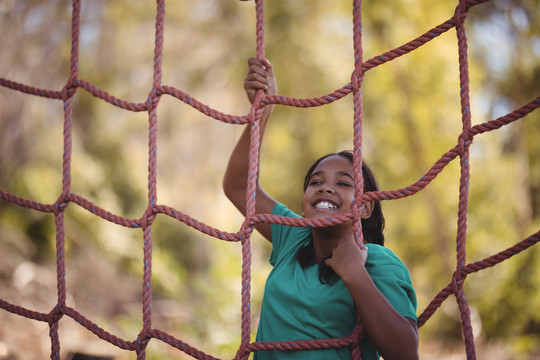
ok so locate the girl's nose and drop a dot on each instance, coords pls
(326, 189)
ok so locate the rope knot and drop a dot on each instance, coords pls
(357, 337)
(153, 99)
(147, 218)
(458, 278)
(356, 79)
(142, 340)
(56, 314)
(257, 107)
(242, 353)
(68, 90)
(59, 205)
(358, 333)
(461, 12)
(464, 142)
(246, 230)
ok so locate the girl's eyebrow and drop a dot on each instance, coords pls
(343, 173)
(340, 173)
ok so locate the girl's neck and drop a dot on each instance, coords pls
(327, 238)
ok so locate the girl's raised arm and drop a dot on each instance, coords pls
(260, 76)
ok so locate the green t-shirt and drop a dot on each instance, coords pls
(297, 306)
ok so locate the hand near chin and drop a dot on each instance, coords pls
(348, 258)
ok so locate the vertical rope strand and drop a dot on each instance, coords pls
(56, 314)
(464, 143)
(55, 340)
(148, 217)
(260, 25)
(356, 83)
(247, 227)
(61, 203)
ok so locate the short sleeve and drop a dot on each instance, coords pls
(393, 280)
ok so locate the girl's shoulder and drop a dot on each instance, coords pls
(286, 239)
(379, 255)
(282, 210)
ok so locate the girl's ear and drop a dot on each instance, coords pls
(367, 209)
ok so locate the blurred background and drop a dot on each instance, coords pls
(412, 117)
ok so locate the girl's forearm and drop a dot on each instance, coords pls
(235, 179)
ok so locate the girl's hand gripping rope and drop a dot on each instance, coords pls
(260, 76)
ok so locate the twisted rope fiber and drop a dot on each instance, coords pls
(145, 222)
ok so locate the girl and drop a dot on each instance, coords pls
(321, 279)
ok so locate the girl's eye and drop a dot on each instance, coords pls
(315, 182)
(344, 184)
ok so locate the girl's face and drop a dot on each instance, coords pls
(330, 189)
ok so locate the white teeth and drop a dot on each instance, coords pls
(325, 205)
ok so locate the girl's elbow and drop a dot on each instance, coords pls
(407, 350)
(235, 194)
(230, 189)
(410, 354)
(226, 188)
(411, 351)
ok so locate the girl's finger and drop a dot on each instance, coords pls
(255, 61)
(257, 77)
(258, 70)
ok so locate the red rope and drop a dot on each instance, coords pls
(145, 222)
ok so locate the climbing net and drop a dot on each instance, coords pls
(145, 222)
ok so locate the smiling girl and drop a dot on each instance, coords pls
(321, 279)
